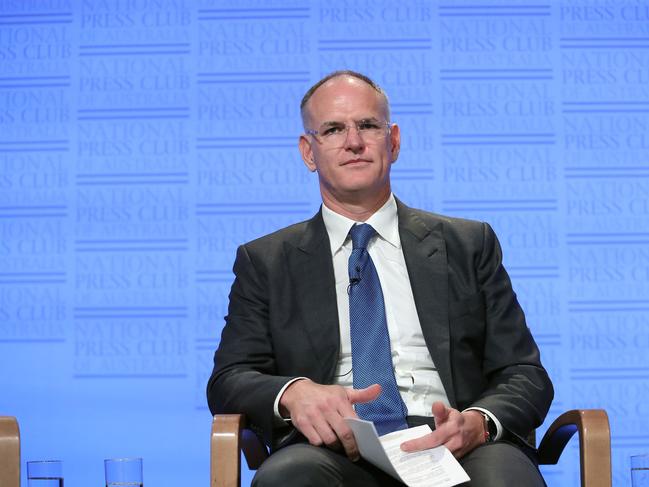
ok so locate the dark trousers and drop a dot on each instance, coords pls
(499, 464)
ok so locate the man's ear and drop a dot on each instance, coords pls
(307, 153)
(395, 142)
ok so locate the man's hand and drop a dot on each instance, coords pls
(317, 411)
(459, 432)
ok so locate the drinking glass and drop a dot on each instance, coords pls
(123, 472)
(640, 470)
(45, 473)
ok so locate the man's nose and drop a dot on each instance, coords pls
(353, 139)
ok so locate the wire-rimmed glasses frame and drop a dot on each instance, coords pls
(335, 133)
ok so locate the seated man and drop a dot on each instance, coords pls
(376, 310)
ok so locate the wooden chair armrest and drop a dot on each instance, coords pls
(229, 437)
(9, 452)
(594, 444)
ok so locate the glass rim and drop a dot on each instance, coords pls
(43, 461)
(123, 459)
(386, 127)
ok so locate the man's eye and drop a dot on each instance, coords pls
(367, 125)
(333, 130)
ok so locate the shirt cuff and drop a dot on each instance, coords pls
(499, 427)
(278, 420)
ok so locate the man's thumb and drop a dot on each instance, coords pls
(440, 412)
(364, 395)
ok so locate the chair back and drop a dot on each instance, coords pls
(9, 452)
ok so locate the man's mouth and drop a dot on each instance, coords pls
(354, 161)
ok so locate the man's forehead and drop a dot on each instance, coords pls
(361, 119)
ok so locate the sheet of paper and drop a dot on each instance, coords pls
(433, 467)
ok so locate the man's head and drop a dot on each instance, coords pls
(349, 140)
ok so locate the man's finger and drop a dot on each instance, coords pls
(440, 412)
(363, 395)
(327, 434)
(325, 428)
(346, 438)
(422, 443)
(344, 434)
(311, 434)
(444, 433)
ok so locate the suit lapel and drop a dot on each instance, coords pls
(424, 250)
(311, 268)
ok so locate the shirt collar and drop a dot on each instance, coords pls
(384, 221)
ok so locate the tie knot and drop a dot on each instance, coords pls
(361, 235)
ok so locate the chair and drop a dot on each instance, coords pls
(230, 437)
(9, 452)
(594, 444)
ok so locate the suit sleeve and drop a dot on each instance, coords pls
(519, 391)
(244, 378)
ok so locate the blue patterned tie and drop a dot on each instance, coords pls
(371, 355)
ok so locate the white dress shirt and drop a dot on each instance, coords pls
(415, 373)
(417, 378)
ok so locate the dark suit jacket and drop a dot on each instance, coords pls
(282, 321)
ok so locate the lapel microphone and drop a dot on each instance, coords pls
(353, 280)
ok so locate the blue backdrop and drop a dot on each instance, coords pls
(141, 141)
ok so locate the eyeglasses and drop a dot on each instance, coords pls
(335, 133)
